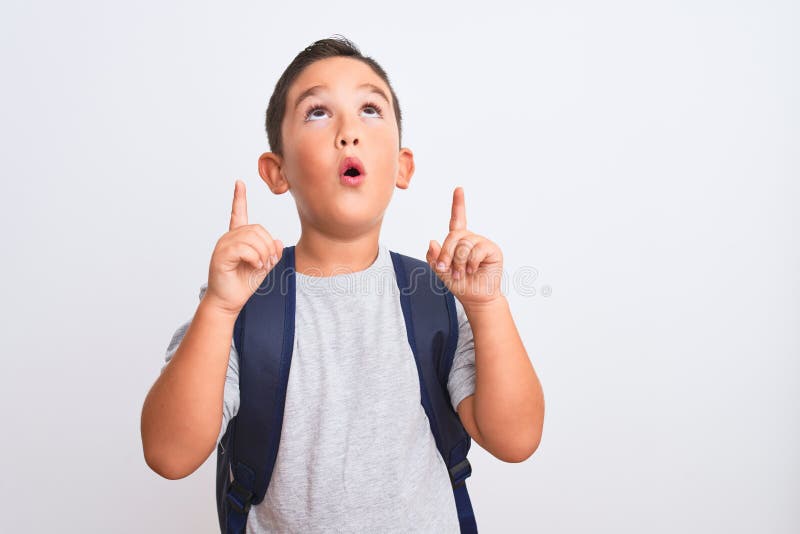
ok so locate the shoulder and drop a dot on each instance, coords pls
(203, 288)
(405, 259)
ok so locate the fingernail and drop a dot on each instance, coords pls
(457, 275)
(469, 270)
(274, 258)
(441, 266)
(260, 264)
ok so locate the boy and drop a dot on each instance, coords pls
(353, 394)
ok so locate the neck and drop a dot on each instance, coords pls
(321, 254)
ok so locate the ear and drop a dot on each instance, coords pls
(405, 160)
(269, 167)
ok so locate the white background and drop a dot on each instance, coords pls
(641, 156)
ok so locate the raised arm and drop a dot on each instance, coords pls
(182, 414)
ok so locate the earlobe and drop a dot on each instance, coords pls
(269, 168)
(406, 168)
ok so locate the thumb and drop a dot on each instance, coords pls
(433, 251)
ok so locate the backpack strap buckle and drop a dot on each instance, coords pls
(239, 497)
(460, 472)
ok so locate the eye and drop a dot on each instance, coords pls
(312, 115)
(375, 107)
(312, 112)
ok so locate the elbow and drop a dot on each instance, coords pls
(519, 454)
(527, 442)
(165, 468)
(165, 460)
(511, 451)
(172, 456)
(521, 449)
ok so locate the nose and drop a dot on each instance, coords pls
(347, 134)
(344, 140)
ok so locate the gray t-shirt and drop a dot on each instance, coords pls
(356, 452)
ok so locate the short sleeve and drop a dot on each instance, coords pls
(461, 381)
(230, 403)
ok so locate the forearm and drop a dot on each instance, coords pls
(509, 403)
(182, 413)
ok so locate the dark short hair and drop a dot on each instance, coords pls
(324, 48)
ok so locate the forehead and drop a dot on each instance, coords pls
(337, 74)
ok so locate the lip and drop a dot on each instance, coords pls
(351, 161)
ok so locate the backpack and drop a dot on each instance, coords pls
(264, 339)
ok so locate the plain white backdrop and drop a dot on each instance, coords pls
(642, 157)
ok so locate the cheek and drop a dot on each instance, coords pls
(385, 130)
(381, 136)
(308, 153)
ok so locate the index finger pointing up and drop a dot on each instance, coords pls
(239, 210)
(458, 215)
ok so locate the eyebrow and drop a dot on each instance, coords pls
(316, 89)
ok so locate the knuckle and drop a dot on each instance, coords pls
(258, 236)
(262, 229)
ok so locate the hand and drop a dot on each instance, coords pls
(241, 260)
(471, 265)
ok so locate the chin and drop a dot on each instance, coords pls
(354, 213)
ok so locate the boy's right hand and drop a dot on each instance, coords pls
(241, 260)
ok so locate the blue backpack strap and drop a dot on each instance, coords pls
(432, 327)
(264, 338)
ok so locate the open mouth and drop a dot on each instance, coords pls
(351, 167)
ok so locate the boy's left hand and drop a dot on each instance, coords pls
(470, 265)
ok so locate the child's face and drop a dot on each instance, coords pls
(346, 123)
